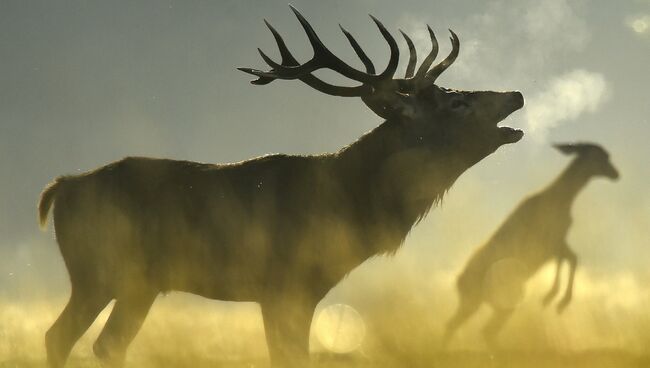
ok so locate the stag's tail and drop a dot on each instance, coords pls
(47, 199)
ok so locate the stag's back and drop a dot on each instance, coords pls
(157, 219)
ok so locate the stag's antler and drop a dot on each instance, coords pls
(377, 90)
(289, 68)
(435, 72)
(413, 57)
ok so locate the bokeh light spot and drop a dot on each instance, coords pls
(340, 328)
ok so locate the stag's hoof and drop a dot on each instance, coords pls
(108, 358)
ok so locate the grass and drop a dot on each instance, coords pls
(454, 359)
(597, 331)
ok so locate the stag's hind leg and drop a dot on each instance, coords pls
(80, 312)
(123, 324)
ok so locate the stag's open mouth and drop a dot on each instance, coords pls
(508, 134)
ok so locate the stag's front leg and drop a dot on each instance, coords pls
(573, 262)
(556, 282)
(287, 328)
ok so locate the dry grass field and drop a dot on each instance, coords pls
(402, 331)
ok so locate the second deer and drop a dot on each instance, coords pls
(533, 234)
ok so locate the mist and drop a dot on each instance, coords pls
(84, 84)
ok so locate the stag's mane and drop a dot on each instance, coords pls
(366, 160)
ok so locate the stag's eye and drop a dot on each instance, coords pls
(459, 104)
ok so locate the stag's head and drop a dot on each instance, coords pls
(428, 116)
(592, 159)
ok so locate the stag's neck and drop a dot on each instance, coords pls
(390, 191)
(367, 156)
(568, 184)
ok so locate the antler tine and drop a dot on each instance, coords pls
(287, 57)
(413, 59)
(370, 67)
(422, 71)
(394, 50)
(435, 72)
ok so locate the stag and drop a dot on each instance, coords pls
(534, 234)
(278, 230)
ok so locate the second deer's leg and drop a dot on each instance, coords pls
(568, 294)
(494, 326)
(467, 306)
(123, 324)
(556, 282)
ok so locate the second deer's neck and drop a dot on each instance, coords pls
(570, 182)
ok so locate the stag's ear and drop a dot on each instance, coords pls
(567, 149)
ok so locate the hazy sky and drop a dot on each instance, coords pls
(83, 83)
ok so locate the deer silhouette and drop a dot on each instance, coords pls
(533, 234)
(278, 230)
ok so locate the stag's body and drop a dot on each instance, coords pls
(172, 224)
(278, 230)
(534, 234)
